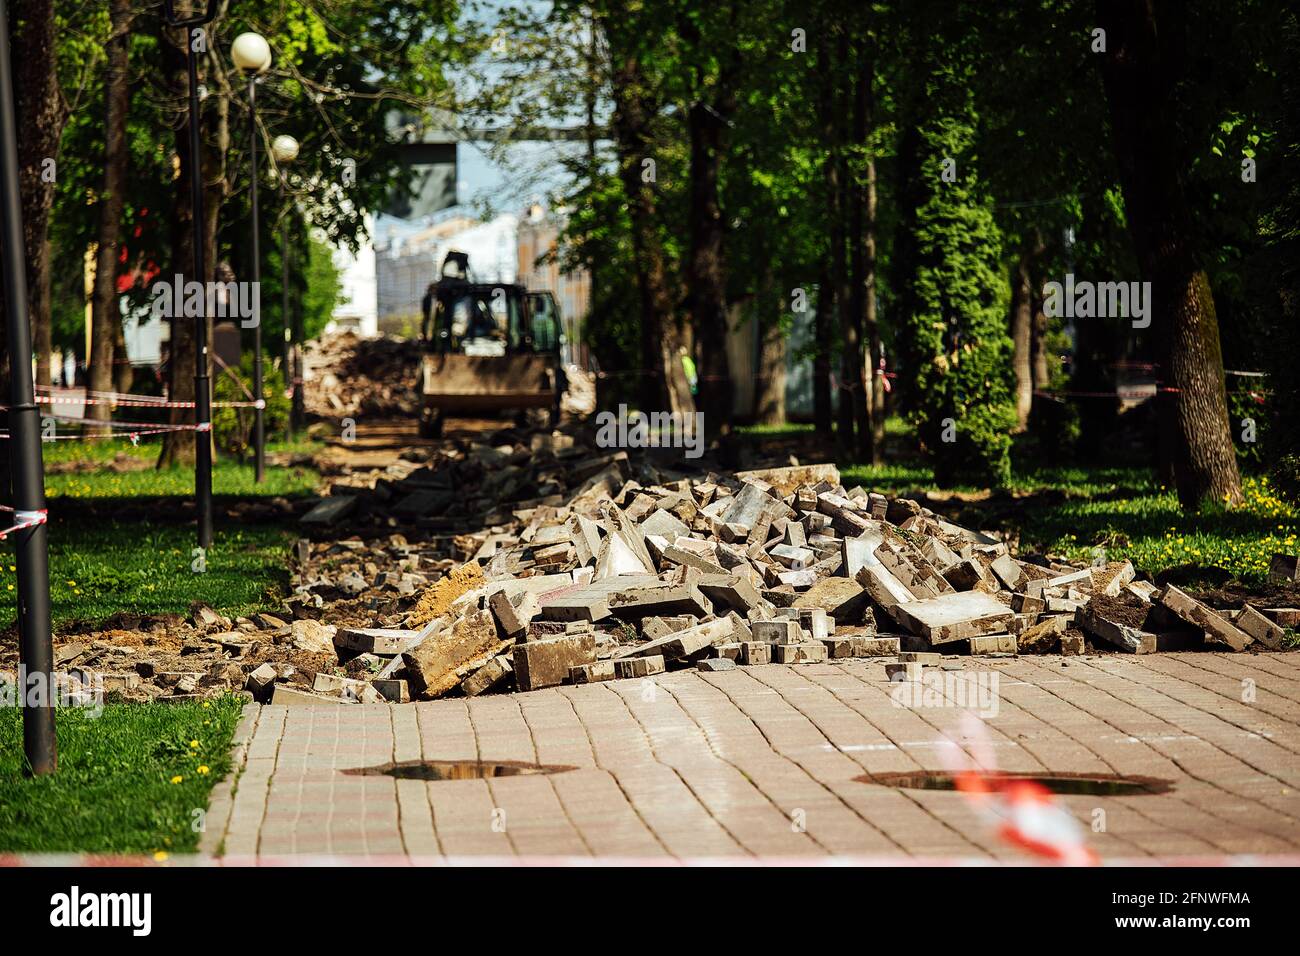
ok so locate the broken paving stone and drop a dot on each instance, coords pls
(904, 671)
(1072, 643)
(814, 620)
(730, 591)
(514, 616)
(546, 663)
(330, 511)
(636, 603)
(1260, 628)
(715, 664)
(292, 697)
(385, 641)
(993, 644)
(804, 653)
(639, 666)
(755, 652)
(312, 636)
(592, 673)
(1192, 611)
(953, 617)
(783, 631)
(686, 643)
(436, 665)
(844, 600)
(492, 674)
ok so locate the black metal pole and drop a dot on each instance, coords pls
(259, 437)
(299, 409)
(202, 389)
(27, 471)
(284, 311)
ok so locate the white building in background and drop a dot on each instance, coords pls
(358, 305)
(407, 260)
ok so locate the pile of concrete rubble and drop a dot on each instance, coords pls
(346, 375)
(597, 575)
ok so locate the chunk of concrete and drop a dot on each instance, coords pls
(1197, 614)
(954, 617)
(442, 660)
(546, 663)
(1260, 628)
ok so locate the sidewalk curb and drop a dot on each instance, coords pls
(222, 801)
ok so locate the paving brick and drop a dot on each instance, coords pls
(639, 666)
(546, 663)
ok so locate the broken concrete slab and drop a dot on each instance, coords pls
(1192, 611)
(384, 641)
(440, 663)
(547, 663)
(1260, 628)
(953, 617)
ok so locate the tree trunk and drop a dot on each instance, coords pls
(1022, 320)
(106, 319)
(769, 392)
(822, 319)
(664, 384)
(862, 255)
(41, 115)
(1140, 70)
(178, 447)
(706, 272)
(834, 176)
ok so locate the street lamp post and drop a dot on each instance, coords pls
(252, 55)
(285, 150)
(36, 652)
(202, 388)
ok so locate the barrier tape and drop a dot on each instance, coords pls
(25, 519)
(50, 396)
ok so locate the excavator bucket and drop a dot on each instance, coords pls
(456, 384)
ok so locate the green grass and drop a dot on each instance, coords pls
(130, 780)
(229, 477)
(104, 561)
(1154, 533)
(99, 570)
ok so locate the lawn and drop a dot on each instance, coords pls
(1076, 511)
(133, 779)
(122, 541)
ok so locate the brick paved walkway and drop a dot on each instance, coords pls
(761, 762)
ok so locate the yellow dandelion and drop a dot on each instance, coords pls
(203, 769)
(194, 744)
(159, 856)
(177, 779)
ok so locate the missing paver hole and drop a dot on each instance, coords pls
(1094, 785)
(457, 769)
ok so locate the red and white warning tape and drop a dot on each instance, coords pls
(54, 396)
(25, 519)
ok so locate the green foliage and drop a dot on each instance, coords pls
(131, 778)
(232, 428)
(954, 297)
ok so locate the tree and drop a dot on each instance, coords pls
(1142, 65)
(952, 288)
(105, 312)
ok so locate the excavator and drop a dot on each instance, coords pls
(489, 347)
